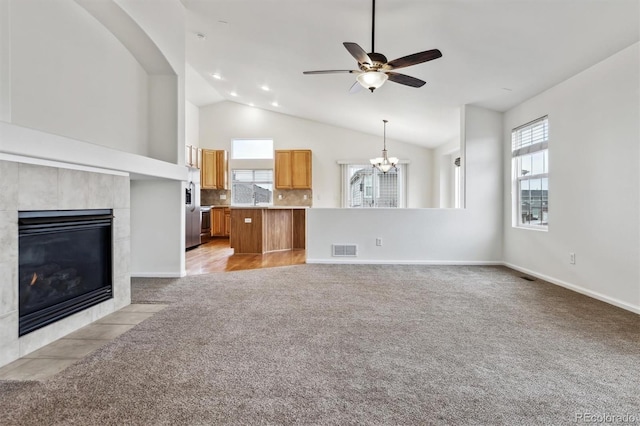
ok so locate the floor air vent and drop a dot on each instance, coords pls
(344, 250)
(528, 278)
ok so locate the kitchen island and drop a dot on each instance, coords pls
(267, 229)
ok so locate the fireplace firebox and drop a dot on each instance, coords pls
(64, 264)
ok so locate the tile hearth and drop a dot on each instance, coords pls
(60, 354)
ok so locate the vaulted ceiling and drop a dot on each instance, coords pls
(496, 54)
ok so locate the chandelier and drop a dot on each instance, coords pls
(384, 163)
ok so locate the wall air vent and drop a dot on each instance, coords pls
(344, 250)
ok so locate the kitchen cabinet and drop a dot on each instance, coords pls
(214, 169)
(220, 222)
(217, 222)
(265, 230)
(293, 169)
(227, 222)
(193, 156)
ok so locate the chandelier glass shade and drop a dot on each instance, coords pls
(384, 163)
(372, 79)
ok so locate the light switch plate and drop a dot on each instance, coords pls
(223, 196)
(247, 220)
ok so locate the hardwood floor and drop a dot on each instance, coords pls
(217, 256)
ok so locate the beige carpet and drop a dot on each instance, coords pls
(328, 344)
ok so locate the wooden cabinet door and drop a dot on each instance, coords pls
(194, 156)
(187, 155)
(283, 169)
(208, 171)
(222, 175)
(227, 222)
(301, 169)
(217, 222)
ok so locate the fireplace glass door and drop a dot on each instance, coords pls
(65, 264)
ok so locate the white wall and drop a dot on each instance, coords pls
(443, 174)
(78, 95)
(468, 236)
(594, 142)
(158, 245)
(191, 124)
(71, 77)
(164, 22)
(5, 61)
(164, 143)
(222, 122)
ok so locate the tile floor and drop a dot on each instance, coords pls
(58, 355)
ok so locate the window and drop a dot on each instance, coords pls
(252, 149)
(251, 187)
(366, 186)
(530, 171)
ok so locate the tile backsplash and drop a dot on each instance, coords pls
(293, 197)
(281, 197)
(211, 197)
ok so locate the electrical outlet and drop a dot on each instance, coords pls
(279, 196)
(572, 258)
(223, 196)
(305, 196)
(379, 242)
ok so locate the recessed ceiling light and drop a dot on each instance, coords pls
(265, 87)
(216, 76)
(234, 94)
(274, 103)
(201, 36)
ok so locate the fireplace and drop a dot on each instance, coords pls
(64, 264)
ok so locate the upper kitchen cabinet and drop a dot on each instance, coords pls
(214, 169)
(222, 169)
(293, 169)
(193, 156)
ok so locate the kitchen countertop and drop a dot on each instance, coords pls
(271, 207)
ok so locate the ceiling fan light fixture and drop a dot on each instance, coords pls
(372, 79)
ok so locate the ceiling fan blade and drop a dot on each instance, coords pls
(331, 72)
(407, 80)
(358, 53)
(416, 58)
(355, 88)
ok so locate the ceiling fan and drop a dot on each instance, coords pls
(374, 69)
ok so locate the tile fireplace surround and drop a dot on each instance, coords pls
(38, 187)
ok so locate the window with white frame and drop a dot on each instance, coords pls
(252, 149)
(530, 154)
(251, 187)
(366, 186)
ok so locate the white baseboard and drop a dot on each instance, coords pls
(350, 261)
(593, 294)
(158, 274)
(577, 289)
